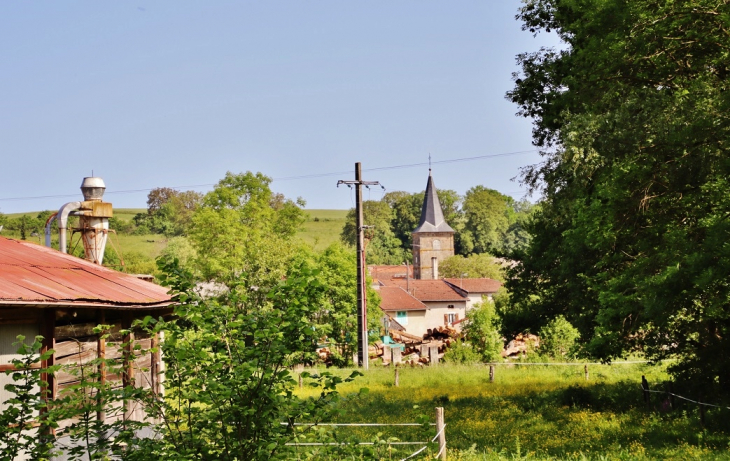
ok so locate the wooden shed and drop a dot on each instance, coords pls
(62, 297)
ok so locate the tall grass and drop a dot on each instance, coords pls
(536, 412)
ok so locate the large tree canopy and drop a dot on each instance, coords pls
(630, 243)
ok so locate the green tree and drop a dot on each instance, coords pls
(227, 361)
(243, 227)
(382, 246)
(474, 266)
(486, 220)
(557, 337)
(336, 319)
(632, 115)
(482, 330)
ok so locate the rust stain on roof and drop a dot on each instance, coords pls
(38, 275)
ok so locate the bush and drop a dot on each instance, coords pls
(461, 352)
(557, 338)
(483, 331)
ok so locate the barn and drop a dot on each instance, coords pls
(62, 298)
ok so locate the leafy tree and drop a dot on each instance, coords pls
(632, 115)
(382, 246)
(557, 337)
(182, 249)
(227, 372)
(486, 220)
(482, 330)
(169, 211)
(474, 266)
(336, 319)
(243, 227)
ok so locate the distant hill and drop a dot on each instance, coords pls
(321, 229)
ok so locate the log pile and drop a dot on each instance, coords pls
(521, 345)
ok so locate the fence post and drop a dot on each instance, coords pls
(671, 396)
(301, 384)
(397, 377)
(585, 368)
(441, 431)
(491, 373)
(645, 387)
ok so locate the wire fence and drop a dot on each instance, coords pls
(697, 402)
(440, 435)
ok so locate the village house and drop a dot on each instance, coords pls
(419, 305)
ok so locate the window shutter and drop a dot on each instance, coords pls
(446, 319)
(456, 319)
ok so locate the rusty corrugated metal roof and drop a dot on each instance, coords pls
(33, 274)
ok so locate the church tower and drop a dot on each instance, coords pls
(433, 239)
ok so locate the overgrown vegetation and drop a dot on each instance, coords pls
(630, 241)
(535, 412)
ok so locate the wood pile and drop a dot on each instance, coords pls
(521, 345)
(441, 333)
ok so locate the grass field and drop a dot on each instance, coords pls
(535, 412)
(321, 229)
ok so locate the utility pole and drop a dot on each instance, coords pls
(362, 319)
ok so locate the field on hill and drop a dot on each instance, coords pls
(531, 412)
(321, 229)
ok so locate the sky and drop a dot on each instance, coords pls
(177, 93)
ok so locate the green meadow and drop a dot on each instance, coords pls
(529, 412)
(321, 229)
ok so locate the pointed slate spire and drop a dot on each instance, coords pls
(432, 216)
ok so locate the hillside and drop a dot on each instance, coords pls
(321, 229)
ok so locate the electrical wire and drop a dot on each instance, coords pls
(289, 178)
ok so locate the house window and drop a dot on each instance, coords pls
(436, 244)
(402, 317)
(450, 318)
(451, 306)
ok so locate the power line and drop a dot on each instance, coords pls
(289, 178)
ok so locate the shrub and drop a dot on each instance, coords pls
(483, 331)
(558, 337)
(461, 352)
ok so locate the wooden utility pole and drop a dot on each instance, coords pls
(362, 319)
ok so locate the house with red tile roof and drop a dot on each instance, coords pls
(439, 304)
(475, 289)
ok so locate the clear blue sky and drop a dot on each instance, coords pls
(174, 93)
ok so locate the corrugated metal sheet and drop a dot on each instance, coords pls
(37, 274)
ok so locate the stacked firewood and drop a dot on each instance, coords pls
(521, 345)
(441, 333)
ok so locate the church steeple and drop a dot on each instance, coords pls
(432, 216)
(433, 239)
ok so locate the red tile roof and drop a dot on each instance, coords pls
(31, 274)
(427, 290)
(396, 299)
(383, 272)
(476, 285)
